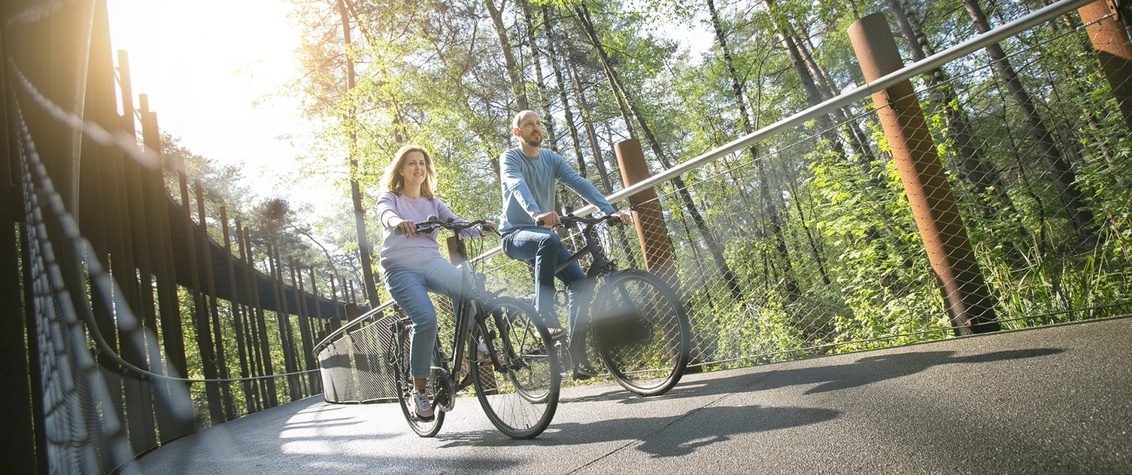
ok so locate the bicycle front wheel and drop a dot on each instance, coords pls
(398, 364)
(641, 332)
(518, 381)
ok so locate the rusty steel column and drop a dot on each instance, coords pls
(306, 333)
(1114, 49)
(945, 238)
(647, 216)
(171, 424)
(200, 313)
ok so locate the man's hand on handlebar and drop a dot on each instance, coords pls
(548, 219)
(551, 219)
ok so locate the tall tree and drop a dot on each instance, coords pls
(769, 204)
(630, 109)
(972, 167)
(518, 85)
(1061, 172)
(364, 250)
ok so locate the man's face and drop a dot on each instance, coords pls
(530, 130)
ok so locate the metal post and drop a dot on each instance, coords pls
(652, 232)
(1114, 50)
(933, 206)
(209, 280)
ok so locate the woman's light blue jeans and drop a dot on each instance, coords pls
(409, 286)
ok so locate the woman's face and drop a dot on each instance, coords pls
(414, 169)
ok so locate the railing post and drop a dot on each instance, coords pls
(19, 440)
(262, 351)
(1114, 49)
(238, 316)
(933, 206)
(652, 232)
(200, 313)
(209, 278)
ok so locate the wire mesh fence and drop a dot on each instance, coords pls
(982, 206)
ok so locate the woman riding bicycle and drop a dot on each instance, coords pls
(411, 263)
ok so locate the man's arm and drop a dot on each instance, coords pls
(512, 177)
(588, 191)
(569, 177)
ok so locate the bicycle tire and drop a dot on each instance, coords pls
(641, 332)
(520, 386)
(403, 381)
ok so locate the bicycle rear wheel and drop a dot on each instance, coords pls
(398, 363)
(518, 387)
(641, 332)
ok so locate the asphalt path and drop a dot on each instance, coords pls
(1055, 399)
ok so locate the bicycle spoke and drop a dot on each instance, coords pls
(398, 364)
(641, 332)
(519, 390)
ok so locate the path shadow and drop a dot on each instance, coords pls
(666, 436)
(866, 370)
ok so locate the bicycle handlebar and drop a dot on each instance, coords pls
(433, 223)
(571, 220)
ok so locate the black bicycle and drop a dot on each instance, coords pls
(510, 360)
(633, 320)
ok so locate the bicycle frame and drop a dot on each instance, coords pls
(464, 309)
(601, 264)
(519, 392)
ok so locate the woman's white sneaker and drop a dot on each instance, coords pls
(422, 406)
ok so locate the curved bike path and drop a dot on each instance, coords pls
(1055, 399)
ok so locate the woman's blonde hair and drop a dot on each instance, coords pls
(396, 183)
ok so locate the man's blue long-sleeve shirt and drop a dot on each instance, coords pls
(528, 187)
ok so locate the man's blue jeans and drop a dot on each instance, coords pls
(409, 286)
(545, 248)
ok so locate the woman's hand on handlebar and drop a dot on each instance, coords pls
(406, 227)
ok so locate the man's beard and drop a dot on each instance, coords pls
(532, 142)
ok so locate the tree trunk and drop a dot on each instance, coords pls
(857, 138)
(551, 46)
(588, 124)
(971, 167)
(630, 108)
(540, 80)
(364, 250)
(517, 87)
(809, 85)
(770, 205)
(1063, 175)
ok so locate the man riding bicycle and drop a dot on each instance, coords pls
(528, 175)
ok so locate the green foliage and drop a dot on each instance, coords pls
(812, 223)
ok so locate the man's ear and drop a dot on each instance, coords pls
(515, 132)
